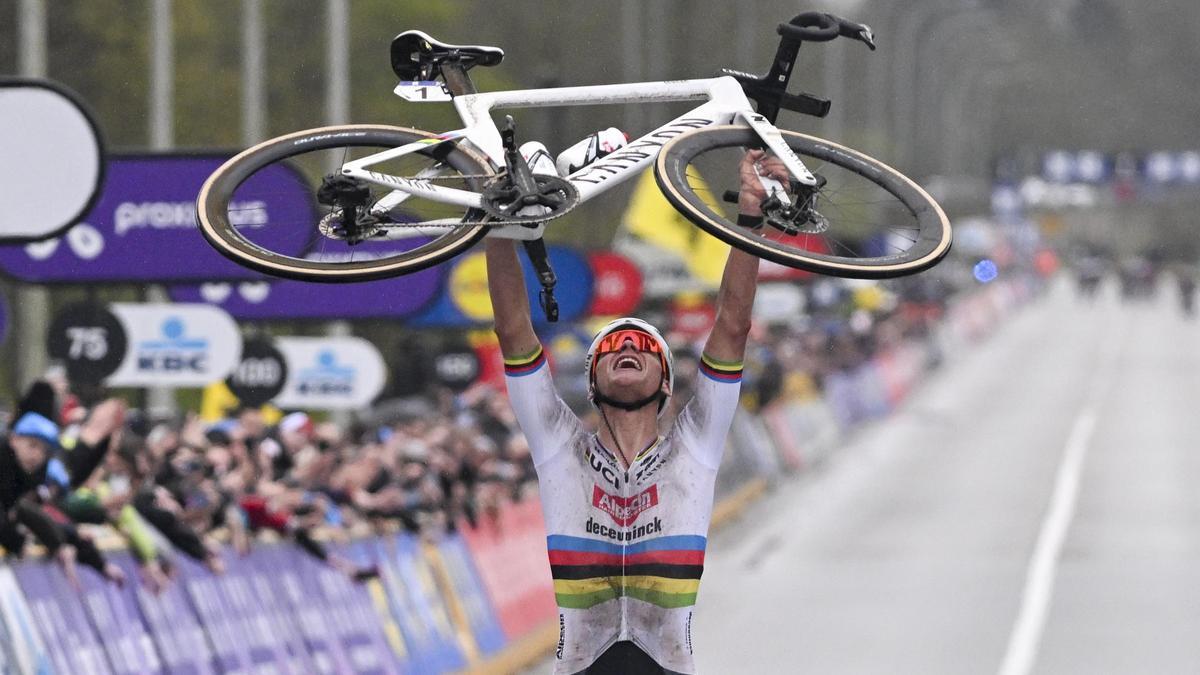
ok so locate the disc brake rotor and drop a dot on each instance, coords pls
(332, 227)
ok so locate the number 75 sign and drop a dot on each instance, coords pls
(145, 345)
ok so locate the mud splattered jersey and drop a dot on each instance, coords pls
(626, 545)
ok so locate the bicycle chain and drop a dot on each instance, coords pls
(488, 223)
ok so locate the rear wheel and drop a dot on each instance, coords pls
(863, 219)
(346, 233)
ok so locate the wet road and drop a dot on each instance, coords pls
(1034, 508)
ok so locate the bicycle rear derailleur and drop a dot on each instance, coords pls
(348, 220)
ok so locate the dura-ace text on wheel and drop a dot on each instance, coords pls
(350, 230)
(860, 219)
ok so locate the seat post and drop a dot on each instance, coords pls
(457, 80)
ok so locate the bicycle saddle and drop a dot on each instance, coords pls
(417, 56)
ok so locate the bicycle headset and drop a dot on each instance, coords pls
(668, 361)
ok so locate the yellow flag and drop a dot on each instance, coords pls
(651, 218)
(216, 401)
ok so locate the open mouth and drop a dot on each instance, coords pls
(629, 362)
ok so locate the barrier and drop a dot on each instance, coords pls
(418, 606)
(510, 554)
(178, 636)
(60, 619)
(467, 587)
(21, 647)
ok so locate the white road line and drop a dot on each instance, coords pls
(1026, 636)
(1039, 579)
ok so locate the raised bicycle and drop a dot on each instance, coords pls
(396, 200)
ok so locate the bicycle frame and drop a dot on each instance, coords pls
(725, 103)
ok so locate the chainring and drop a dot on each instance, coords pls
(503, 201)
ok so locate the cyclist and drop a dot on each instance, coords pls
(627, 510)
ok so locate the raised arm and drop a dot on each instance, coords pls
(735, 299)
(510, 304)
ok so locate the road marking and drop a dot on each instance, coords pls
(1039, 578)
(1026, 636)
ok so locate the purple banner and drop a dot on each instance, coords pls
(277, 610)
(315, 626)
(118, 622)
(177, 632)
(144, 229)
(206, 593)
(286, 299)
(60, 617)
(348, 607)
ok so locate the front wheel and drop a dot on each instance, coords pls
(334, 229)
(863, 219)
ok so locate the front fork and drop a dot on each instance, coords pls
(779, 147)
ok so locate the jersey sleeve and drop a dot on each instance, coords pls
(704, 422)
(546, 421)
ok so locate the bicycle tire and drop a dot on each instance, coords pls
(933, 234)
(215, 196)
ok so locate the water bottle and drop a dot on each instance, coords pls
(590, 149)
(538, 158)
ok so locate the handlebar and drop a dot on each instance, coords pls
(769, 91)
(822, 27)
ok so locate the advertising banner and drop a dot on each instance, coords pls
(275, 611)
(510, 554)
(464, 302)
(332, 373)
(617, 286)
(368, 552)
(207, 594)
(485, 627)
(311, 622)
(177, 633)
(143, 228)
(251, 601)
(61, 620)
(23, 649)
(53, 160)
(285, 299)
(89, 339)
(348, 609)
(260, 372)
(439, 645)
(175, 345)
(118, 622)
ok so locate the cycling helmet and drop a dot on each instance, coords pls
(667, 359)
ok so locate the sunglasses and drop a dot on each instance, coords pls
(615, 341)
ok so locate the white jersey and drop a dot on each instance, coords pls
(626, 546)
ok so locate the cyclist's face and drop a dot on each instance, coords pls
(629, 373)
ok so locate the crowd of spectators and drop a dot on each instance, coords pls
(182, 485)
(187, 485)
